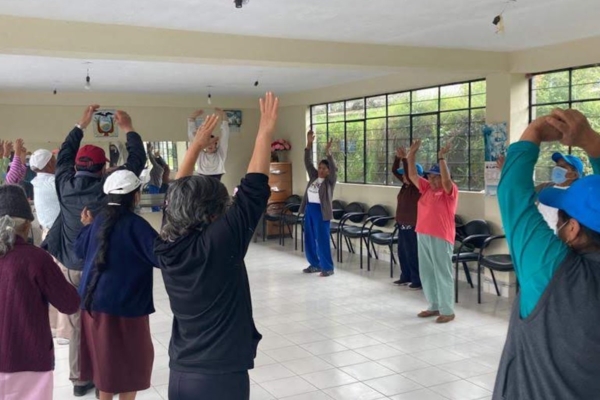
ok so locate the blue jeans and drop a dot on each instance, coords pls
(316, 238)
(154, 190)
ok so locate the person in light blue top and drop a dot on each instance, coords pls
(553, 344)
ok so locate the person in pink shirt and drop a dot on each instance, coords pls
(435, 233)
(17, 168)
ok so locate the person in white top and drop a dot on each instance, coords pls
(211, 162)
(47, 208)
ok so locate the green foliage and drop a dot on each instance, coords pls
(366, 132)
(574, 88)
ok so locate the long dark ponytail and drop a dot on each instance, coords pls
(116, 206)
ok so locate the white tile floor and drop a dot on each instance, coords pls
(353, 336)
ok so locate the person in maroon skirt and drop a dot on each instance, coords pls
(117, 247)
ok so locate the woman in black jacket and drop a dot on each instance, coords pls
(201, 252)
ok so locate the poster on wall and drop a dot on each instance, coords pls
(234, 118)
(496, 141)
(104, 124)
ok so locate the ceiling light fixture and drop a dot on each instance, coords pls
(88, 81)
(498, 20)
(255, 83)
(54, 91)
(240, 3)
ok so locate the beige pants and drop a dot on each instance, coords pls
(59, 322)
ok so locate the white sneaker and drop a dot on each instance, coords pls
(62, 341)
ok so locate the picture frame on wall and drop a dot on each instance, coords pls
(104, 124)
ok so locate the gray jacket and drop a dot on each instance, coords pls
(326, 190)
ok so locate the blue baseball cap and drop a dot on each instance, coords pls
(573, 161)
(419, 170)
(580, 200)
(435, 170)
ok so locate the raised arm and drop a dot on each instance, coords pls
(535, 249)
(261, 157)
(151, 157)
(191, 123)
(332, 166)
(202, 139)
(447, 183)
(577, 132)
(224, 138)
(413, 176)
(308, 160)
(400, 158)
(65, 161)
(17, 168)
(136, 155)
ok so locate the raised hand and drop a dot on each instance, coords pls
(221, 114)
(414, 148)
(19, 146)
(401, 152)
(268, 113)
(203, 137)
(123, 121)
(88, 115)
(310, 137)
(574, 127)
(445, 150)
(8, 148)
(86, 217)
(328, 147)
(541, 130)
(196, 114)
(149, 147)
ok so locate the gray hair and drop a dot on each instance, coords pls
(8, 232)
(193, 203)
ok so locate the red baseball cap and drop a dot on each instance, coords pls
(90, 155)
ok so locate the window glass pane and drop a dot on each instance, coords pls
(478, 87)
(355, 109)
(335, 111)
(354, 149)
(319, 114)
(550, 88)
(425, 100)
(399, 104)
(336, 133)
(376, 107)
(425, 128)
(591, 109)
(586, 83)
(478, 100)
(454, 97)
(376, 162)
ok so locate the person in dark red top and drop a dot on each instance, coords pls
(406, 218)
(29, 281)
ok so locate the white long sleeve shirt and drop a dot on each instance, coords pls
(45, 199)
(211, 164)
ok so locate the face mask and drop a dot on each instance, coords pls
(559, 175)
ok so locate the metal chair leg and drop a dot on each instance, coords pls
(495, 283)
(456, 282)
(467, 274)
(264, 230)
(360, 242)
(479, 283)
(332, 241)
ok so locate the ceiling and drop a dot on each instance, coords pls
(462, 24)
(44, 73)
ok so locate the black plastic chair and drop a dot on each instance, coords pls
(274, 212)
(388, 239)
(362, 233)
(354, 212)
(290, 216)
(475, 234)
(339, 209)
(494, 262)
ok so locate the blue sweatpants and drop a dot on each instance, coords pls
(154, 190)
(316, 238)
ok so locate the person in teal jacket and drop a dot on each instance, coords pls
(553, 344)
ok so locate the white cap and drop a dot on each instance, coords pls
(121, 182)
(40, 158)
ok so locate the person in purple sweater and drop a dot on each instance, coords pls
(29, 281)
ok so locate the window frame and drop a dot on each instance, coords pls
(411, 115)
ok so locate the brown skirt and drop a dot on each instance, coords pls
(116, 352)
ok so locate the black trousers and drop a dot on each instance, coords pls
(408, 254)
(191, 386)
